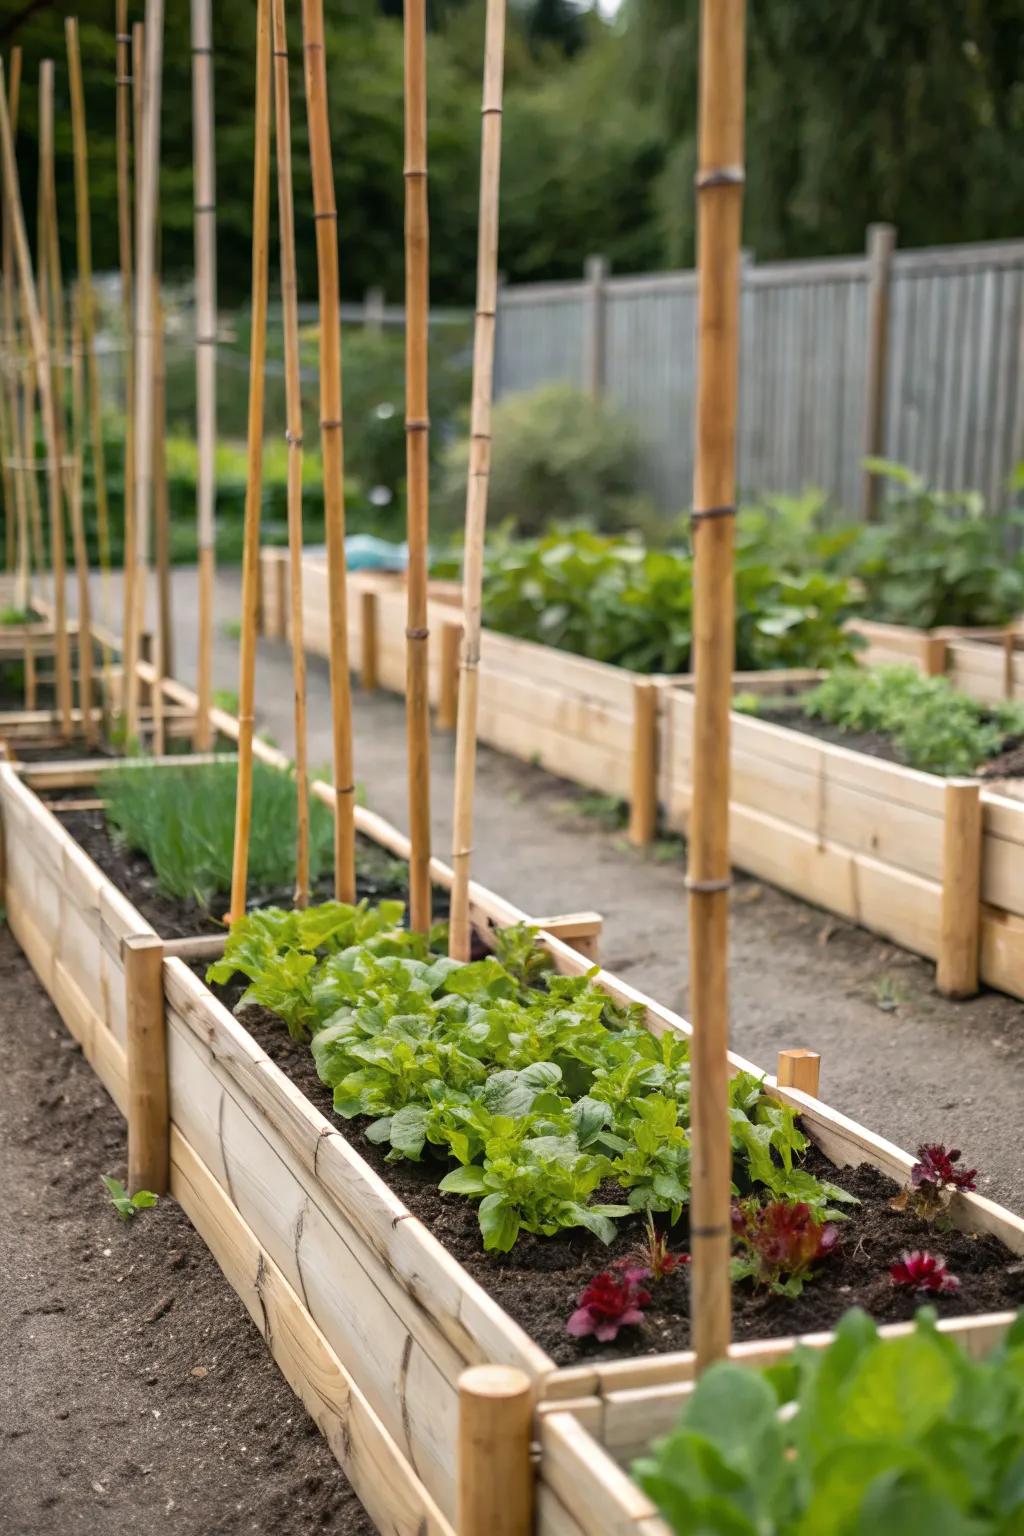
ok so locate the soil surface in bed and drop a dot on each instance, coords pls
(1008, 764)
(137, 1395)
(539, 1283)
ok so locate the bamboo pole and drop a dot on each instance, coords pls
(123, 89)
(83, 234)
(205, 216)
(720, 205)
(15, 491)
(85, 690)
(479, 476)
(417, 458)
(332, 444)
(161, 520)
(293, 393)
(253, 486)
(39, 342)
(148, 179)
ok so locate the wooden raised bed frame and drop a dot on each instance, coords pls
(369, 1318)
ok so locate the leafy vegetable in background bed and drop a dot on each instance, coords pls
(614, 600)
(931, 725)
(936, 558)
(183, 820)
(538, 1087)
(890, 1436)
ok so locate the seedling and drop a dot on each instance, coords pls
(934, 1179)
(655, 1254)
(610, 1302)
(783, 1241)
(127, 1206)
(925, 1272)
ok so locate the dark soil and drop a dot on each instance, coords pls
(1008, 765)
(540, 1281)
(136, 1395)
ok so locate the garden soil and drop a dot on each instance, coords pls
(136, 1395)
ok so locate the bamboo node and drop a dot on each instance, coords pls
(417, 634)
(721, 1229)
(697, 516)
(201, 51)
(707, 887)
(122, 37)
(206, 341)
(124, 80)
(204, 207)
(293, 439)
(327, 423)
(417, 423)
(326, 213)
(349, 789)
(279, 53)
(720, 176)
(490, 111)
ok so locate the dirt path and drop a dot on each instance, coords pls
(136, 1396)
(896, 1056)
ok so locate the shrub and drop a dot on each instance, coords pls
(558, 456)
(183, 820)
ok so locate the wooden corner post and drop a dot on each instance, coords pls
(495, 1475)
(643, 798)
(800, 1069)
(960, 921)
(148, 1101)
(881, 244)
(720, 209)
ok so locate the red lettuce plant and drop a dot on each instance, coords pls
(933, 1178)
(780, 1243)
(921, 1271)
(655, 1254)
(610, 1302)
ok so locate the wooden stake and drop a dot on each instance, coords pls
(83, 228)
(495, 1494)
(332, 445)
(123, 88)
(148, 177)
(254, 479)
(417, 459)
(85, 692)
(448, 683)
(204, 180)
(161, 521)
(800, 1069)
(881, 243)
(479, 477)
(643, 800)
(293, 395)
(960, 919)
(15, 490)
(720, 203)
(148, 1102)
(369, 620)
(40, 348)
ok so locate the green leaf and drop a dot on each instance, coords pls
(499, 1223)
(468, 1180)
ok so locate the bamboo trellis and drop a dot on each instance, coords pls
(251, 545)
(15, 490)
(720, 205)
(123, 92)
(479, 476)
(205, 215)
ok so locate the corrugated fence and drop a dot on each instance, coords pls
(949, 332)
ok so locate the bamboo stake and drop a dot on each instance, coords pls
(85, 693)
(83, 232)
(161, 519)
(293, 393)
(251, 545)
(42, 365)
(332, 444)
(15, 494)
(479, 476)
(417, 459)
(205, 216)
(123, 86)
(148, 177)
(720, 204)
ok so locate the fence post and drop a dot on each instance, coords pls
(880, 245)
(149, 1133)
(595, 273)
(643, 799)
(373, 310)
(960, 913)
(495, 1477)
(800, 1069)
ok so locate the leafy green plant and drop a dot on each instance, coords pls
(931, 725)
(183, 820)
(882, 1435)
(11, 616)
(538, 1087)
(780, 1242)
(936, 558)
(127, 1206)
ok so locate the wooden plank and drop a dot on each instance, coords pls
(592, 1490)
(381, 1475)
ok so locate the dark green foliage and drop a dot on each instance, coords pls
(538, 1087)
(183, 820)
(894, 1436)
(931, 725)
(936, 559)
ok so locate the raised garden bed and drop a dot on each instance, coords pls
(370, 1317)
